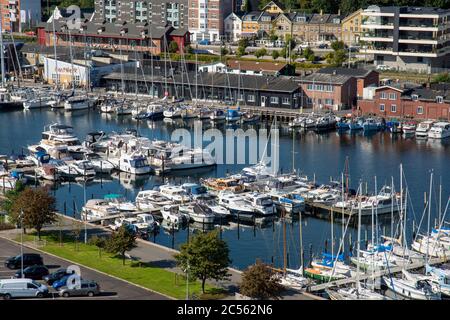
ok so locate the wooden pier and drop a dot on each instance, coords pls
(376, 274)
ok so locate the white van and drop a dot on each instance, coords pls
(22, 288)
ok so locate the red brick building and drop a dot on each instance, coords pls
(142, 37)
(419, 103)
(336, 88)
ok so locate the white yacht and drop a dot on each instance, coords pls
(197, 191)
(57, 135)
(98, 209)
(217, 115)
(77, 103)
(172, 214)
(411, 288)
(151, 200)
(423, 128)
(63, 168)
(41, 102)
(173, 112)
(296, 122)
(99, 164)
(83, 168)
(132, 163)
(198, 212)
(237, 205)
(439, 130)
(175, 193)
(262, 203)
(145, 222)
(119, 201)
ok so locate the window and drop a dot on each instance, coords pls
(383, 95)
(393, 108)
(392, 96)
(329, 102)
(382, 108)
(274, 100)
(251, 98)
(439, 99)
(419, 110)
(414, 97)
(286, 101)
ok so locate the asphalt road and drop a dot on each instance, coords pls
(111, 288)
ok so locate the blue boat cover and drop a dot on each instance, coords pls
(327, 256)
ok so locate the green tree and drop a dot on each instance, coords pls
(442, 78)
(205, 257)
(263, 3)
(337, 45)
(260, 52)
(326, 6)
(260, 282)
(247, 6)
(309, 54)
(173, 47)
(38, 208)
(223, 51)
(275, 54)
(121, 241)
(240, 51)
(10, 197)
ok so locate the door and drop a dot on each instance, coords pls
(263, 101)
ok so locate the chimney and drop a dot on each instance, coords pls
(339, 12)
(321, 12)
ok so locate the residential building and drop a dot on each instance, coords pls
(156, 12)
(300, 26)
(233, 27)
(142, 37)
(206, 18)
(18, 15)
(273, 7)
(408, 38)
(258, 91)
(336, 88)
(266, 23)
(351, 28)
(283, 25)
(250, 25)
(419, 102)
(323, 28)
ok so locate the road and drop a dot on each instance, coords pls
(111, 288)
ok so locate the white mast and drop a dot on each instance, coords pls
(358, 242)
(2, 57)
(429, 216)
(54, 49)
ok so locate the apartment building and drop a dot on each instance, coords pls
(323, 27)
(206, 18)
(157, 12)
(408, 38)
(250, 25)
(18, 15)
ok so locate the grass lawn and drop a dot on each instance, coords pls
(143, 274)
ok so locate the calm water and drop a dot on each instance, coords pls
(322, 155)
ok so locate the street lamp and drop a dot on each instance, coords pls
(85, 212)
(187, 281)
(21, 244)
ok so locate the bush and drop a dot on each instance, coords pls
(275, 54)
(6, 226)
(260, 52)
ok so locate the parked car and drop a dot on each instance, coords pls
(55, 276)
(87, 288)
(58, 284)
(33, 272)
(22, 288)
(323, 46)
(383, 67)
(204, 42)
(29, 259)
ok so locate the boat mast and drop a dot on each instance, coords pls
(301, 240)
(401, 199)
(71, 59)
(2, 57)
(54, 49)
(284, 244)
(429, 216)
(358, 246)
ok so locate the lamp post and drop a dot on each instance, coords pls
(21, 245)
(85, 212)
(187, 281)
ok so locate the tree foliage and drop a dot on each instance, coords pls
(121, 241)
(275, 54)
(205, 257)
(10, 197)
(260, 52)
(442, 78)
(38, 208)
(173, 47)
(260, 282)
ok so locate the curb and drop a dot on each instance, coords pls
(92, 269)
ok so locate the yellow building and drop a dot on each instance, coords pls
(250, 26)
(351, 28)
(272, 7)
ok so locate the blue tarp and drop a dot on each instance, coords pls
(327, 256)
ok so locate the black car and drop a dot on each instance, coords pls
(29, 259)
(33, 272)
(55, 276)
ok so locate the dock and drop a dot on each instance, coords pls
(377, 274)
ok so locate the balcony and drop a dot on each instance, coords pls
(379, 49)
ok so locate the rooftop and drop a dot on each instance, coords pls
(272, 67)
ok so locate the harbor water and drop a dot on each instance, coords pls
(320, 156)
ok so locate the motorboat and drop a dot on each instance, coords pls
(409, 128)
(151, 200)
(288, 202)
(9, 180)
(190, 113)
(352, 293)
(332, 262)
(204, 113)
(196, 191)
(83, 168)
(59, 134)
(198, 212)
(223, 184)
(423, 128)
(217, 115)
(47, 172)
(99, 164)
(250, 118)
(98, 209)
(232, 115)
(146, 222)
(309, 123)
(119, 201)
(371, 124)
(77, 103)
(262, 204)
(37, 103)
(439, 130)
(173, 112)
(356, 124)
(63, 168)
(134, 163)
(296, 122)
(324, 123)
(172, 214)
(175, 193)
(237, 205)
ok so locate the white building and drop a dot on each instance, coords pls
(233, 27)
